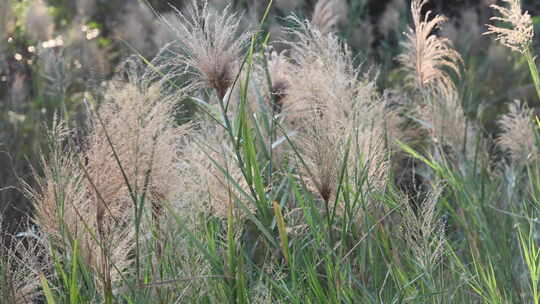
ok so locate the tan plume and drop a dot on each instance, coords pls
(427, 57)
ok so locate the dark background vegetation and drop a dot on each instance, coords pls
(38, 80)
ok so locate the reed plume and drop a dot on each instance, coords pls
(429, 61)
(278, 67)
(142, 134)
(67, 210)
(213, 180)
(518, 37)
(444, 119)
(336, 112)
(427, 58)
(89, 194)
(424, 232)
(325, 16)
(518, 137)
(209, 48)
(23, 258)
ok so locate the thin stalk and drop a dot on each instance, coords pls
(329, 221)
(534, 71)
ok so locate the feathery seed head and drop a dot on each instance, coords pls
(67, 209)
(213, 179)
(331, 107)
(444, 118)
(278, 68)
(518, 137)
(275, 67)
(325, 16)
(520, 34)
(324, 73)
(84, 195)
(23, 259)
(208, 45)
(424, 232)
(426, 55)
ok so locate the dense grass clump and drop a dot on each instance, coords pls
(292, 177)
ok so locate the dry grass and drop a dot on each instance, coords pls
(68, 211)
(141, 129)
(23, 259)
(325, 16)
(424, 231)
(448, 127)
(430, 62)
(339, 230)
(520, 34)
(88, 195)
(333, 108)
(279, 70)
(518, 138)
(212, 178)
(427, 58)
(209, 46)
